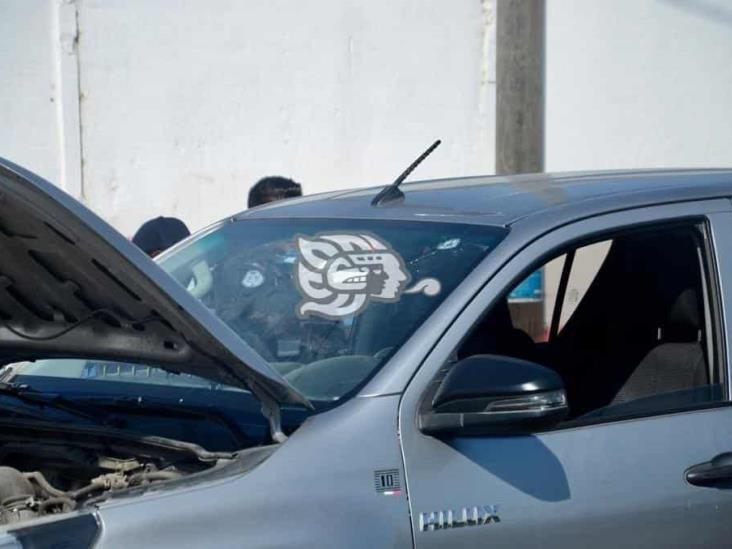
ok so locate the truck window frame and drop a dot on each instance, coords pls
(711, 303)
(550, 244)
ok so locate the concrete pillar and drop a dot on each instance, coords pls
(520, 86)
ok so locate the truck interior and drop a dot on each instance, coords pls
(642, 338)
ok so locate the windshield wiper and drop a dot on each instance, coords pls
(148, 405)
(98, 413)
(27, 394)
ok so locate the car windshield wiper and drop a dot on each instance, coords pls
(149, 405)
(28, 395)
(96, 408)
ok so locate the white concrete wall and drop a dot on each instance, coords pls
(186, 104)
(29, 131)
(638, 83)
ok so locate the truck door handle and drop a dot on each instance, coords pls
(711, 473)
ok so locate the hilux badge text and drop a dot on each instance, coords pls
(467, 516)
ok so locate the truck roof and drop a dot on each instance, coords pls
(504, 200)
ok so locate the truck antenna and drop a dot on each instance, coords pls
(392, 192)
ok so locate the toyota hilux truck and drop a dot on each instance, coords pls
(521, 361)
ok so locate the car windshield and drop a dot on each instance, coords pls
(326, 302)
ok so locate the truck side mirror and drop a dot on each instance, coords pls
(495, 395)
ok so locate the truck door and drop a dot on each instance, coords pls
(632, 319)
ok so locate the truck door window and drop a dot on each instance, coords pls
(635, 327)
(532, 301)
(587, 262)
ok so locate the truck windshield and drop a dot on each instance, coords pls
(327, 302)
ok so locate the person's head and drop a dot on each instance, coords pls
(159, 234)
(272, 188)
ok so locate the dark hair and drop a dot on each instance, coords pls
(271, 188)
(159, 234)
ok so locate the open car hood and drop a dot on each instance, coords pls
(72, 286)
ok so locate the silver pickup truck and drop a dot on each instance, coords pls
(494, 361)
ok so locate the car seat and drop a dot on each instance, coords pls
(678, 361)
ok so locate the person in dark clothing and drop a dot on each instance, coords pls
(272, 188)
(159, 234)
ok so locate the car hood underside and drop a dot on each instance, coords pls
(71, 286)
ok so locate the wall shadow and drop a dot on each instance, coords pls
(705, 9)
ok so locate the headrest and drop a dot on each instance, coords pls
(684, 318)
